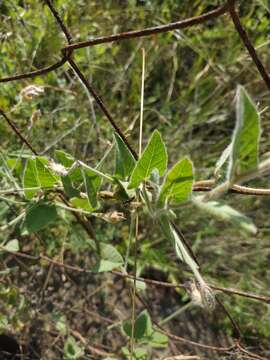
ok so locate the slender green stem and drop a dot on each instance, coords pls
(79, 163)
(176, 313)
(131, 230)
(13, 222)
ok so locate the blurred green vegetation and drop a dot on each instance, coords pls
(190, 84)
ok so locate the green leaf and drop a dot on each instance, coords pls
(157, 339)
(15, 165)
(181, 249)
(67, 161)
(30, 179)
(69, 189)
(61, 325)
(221, 161)
(125, 161)
(177, 186)
(245, 141)
(226, 213)
(11, 246)
(153, 157)
(39, 216)
(92, 183)
(142, 328)
(64, 158)
(138, 353)
(144, 332)
(81, 203)
(72, 350)
(109, 259)
(122, 192)
(45, 176)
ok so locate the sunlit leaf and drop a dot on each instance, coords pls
(181, 249)
(30, 179)
(158, 340)
(92, 183)
(81, 203)
(153, 157)
(245, 141)
(139, 353)
(67, 161)
(125, 161)
(72, 350)
(45, 176)
(226, 213)
(109, 259)
(11, 246)
(177, 186)
(221, 162)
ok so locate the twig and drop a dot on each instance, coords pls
(85, 224)
(246, 294)
(207, 185)
(250, 354)
(152, 30)
(181, 339)
(237, 344)
(17, 132)
(250, 48)
(59, 21)
(35, 73)
(233, 322)
(148, 281)
(101, 104)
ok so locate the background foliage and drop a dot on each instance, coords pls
(190, 86)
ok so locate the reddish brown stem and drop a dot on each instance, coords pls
(35, 73)
(152, 30)
(17, 132)
(250, 48)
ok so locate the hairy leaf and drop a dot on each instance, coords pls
(125, 161)
(245, 141)
(226, 213)
(153, 157)
(67, 161)
(177, 186)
